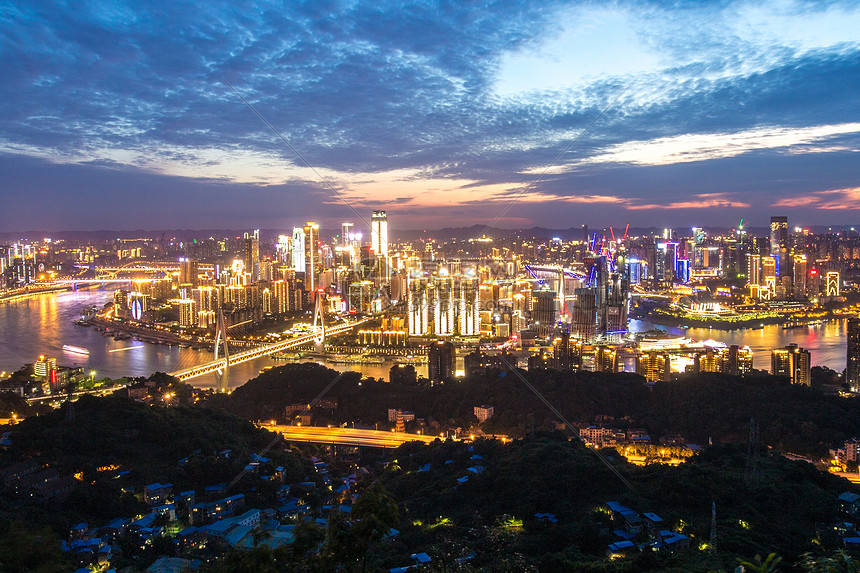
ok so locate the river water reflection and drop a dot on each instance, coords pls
(43, 324)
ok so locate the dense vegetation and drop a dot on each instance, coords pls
(110, 435)
(547, 473)
(700, 407)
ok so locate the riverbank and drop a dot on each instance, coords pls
(31, 292)
(796, 319)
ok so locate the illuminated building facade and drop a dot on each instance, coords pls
(252, 254)
(654, 366)
(852, 370)
(832, 283)
(793, 362)
(779, 243)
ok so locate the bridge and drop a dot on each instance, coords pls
(348, 436)
(222, 363)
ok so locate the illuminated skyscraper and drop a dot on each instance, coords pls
(379, 233)
(188, 272)
(298, 249)
(779, 242)
(799, 275)
(793, 362)
(252, 254)
(852, 371)
(654, 366)
(347, 231)
(313, 266)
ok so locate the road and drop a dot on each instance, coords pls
(348, 436)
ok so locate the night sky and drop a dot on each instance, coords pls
(121, 116)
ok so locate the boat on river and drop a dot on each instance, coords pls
(75, 349)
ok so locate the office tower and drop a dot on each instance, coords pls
(654, 366)
(188, 274)
(800, 276)
(793, 362)
(852, 371)
(252, 254)
(313, 265)
(779, 242)
(440, 361)
(682, 270)
(298, 249)
(347, 232)
(768, 268)
(832, 283)
(379, 233)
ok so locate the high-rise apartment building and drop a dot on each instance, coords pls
(793, 362)
(654, 366)
(188, 274)
(852, 370)
(440, 361)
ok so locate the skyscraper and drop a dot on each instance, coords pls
(793, 362)
(188, 272)
(313, 266)
(379, 233)
(299, 249)
(252, 254)
(852, 371)
(440, 361)
(347, 231)
(779, 242)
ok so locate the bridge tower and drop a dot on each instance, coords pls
(221, 376)
(319, 321)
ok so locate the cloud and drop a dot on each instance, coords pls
(436, 106)
(708, 146)
(832, 200)
(701, 201)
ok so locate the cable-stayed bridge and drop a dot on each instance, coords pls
(220, 364)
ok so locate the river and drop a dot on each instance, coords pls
(44, 323)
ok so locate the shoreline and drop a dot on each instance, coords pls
(29, 293)
(667, 320)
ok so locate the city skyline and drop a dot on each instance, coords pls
(442, 116)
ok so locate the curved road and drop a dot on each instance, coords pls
(348, 436)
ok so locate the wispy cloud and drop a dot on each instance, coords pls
(707, 146)
(699, 201)
(832, 200)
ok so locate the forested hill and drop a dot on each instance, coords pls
(700, 407)
(492, 514)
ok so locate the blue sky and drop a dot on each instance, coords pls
(120, 115)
